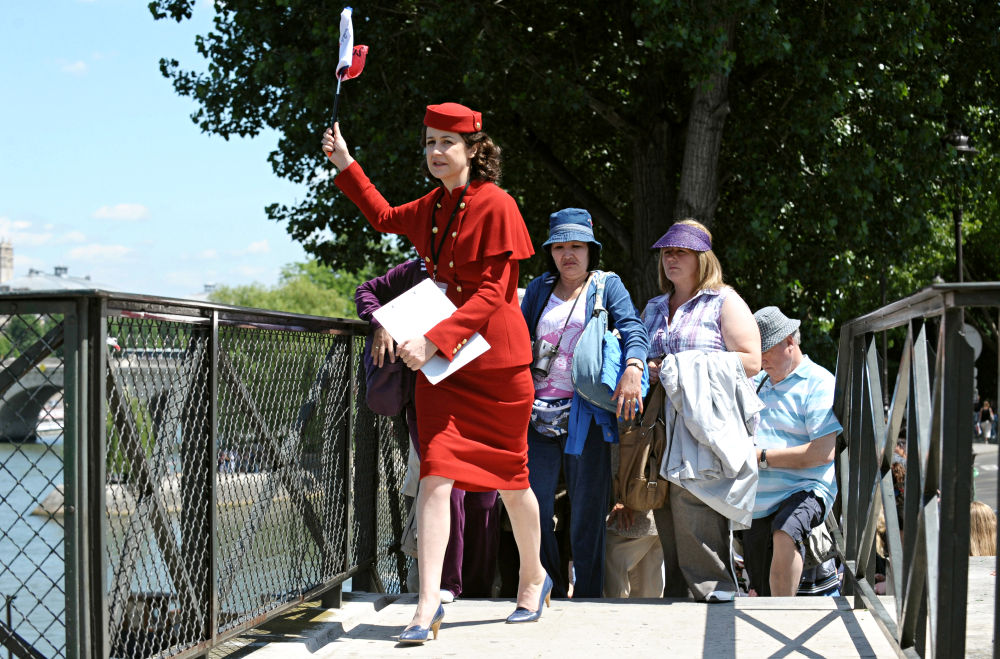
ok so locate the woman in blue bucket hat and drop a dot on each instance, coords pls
(567, 432)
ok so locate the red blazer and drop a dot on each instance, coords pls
(477, 260)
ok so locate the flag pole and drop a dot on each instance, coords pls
(336, 102)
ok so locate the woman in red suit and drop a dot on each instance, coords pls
(473, 424)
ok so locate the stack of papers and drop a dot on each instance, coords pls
(414, 313)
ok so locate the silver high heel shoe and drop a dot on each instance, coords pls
(522, 614)
(418, 634)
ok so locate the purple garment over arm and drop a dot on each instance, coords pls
(372, 294)
(389, 389)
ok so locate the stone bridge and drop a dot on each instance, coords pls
(24, 392)
(21, 404)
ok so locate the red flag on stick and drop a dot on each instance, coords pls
(357, 64)
(352, 58)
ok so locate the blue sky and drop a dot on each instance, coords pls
(102, 169)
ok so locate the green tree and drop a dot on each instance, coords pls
(808, 135)
(306, 288)
(22, 331)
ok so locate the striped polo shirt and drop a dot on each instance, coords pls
(799, 410)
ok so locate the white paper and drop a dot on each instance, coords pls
(414, 313)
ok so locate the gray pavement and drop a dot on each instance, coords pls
(749, 627)
(985, 462)
(367, 625)
(981, 600)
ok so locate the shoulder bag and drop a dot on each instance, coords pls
(642, 444)
(820, 546)
(597, 350)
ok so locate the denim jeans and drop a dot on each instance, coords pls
(588, 483)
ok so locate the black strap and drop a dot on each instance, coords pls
(583, 291)
(436, 250)
(763, 380)
(534, 325)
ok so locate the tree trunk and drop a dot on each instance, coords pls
(653, 176)
(698, 193)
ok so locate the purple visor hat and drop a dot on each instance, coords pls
(686, 236)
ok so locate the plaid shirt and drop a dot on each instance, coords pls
(697, 323)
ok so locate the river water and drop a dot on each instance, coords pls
(32, 566)
(32, 569)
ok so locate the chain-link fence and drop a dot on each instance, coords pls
(173, 473)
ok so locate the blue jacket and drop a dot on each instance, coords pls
(621, 316)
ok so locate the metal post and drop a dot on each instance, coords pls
(199, 464)
(956, 488)
(93, 379)
(885, 345)
(10, 622)
(333, 598)
(854, 446)
(212, 587)
(83, 436)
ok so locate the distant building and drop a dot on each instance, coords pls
(6, 261)
(203, 295)
(59, 280)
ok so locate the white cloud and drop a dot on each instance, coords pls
(259, 247)
(208, 254)
(100, 253)
(18, 232)
(77, 68)
(124, 212)
(8, 225)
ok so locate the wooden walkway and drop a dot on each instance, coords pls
(749, 627)
(367, 624)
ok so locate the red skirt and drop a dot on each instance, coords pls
(473, 427)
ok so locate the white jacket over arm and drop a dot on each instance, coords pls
(710, 422)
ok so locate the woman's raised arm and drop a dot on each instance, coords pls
(335, 148)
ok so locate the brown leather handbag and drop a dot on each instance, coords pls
(641, 448)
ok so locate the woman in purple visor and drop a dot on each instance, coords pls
(700, 320)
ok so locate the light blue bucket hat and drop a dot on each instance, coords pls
(571, 224)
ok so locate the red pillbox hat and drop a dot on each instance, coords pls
(453, 118)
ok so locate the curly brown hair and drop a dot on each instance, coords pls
(485, 164)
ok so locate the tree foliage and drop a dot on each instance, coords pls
(807, 135)
(306, 288)
(22, 331)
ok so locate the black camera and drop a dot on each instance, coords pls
(542, 353)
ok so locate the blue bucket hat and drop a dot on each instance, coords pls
(571, 224)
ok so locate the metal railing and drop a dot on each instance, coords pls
(930, 410)
(175, 473)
